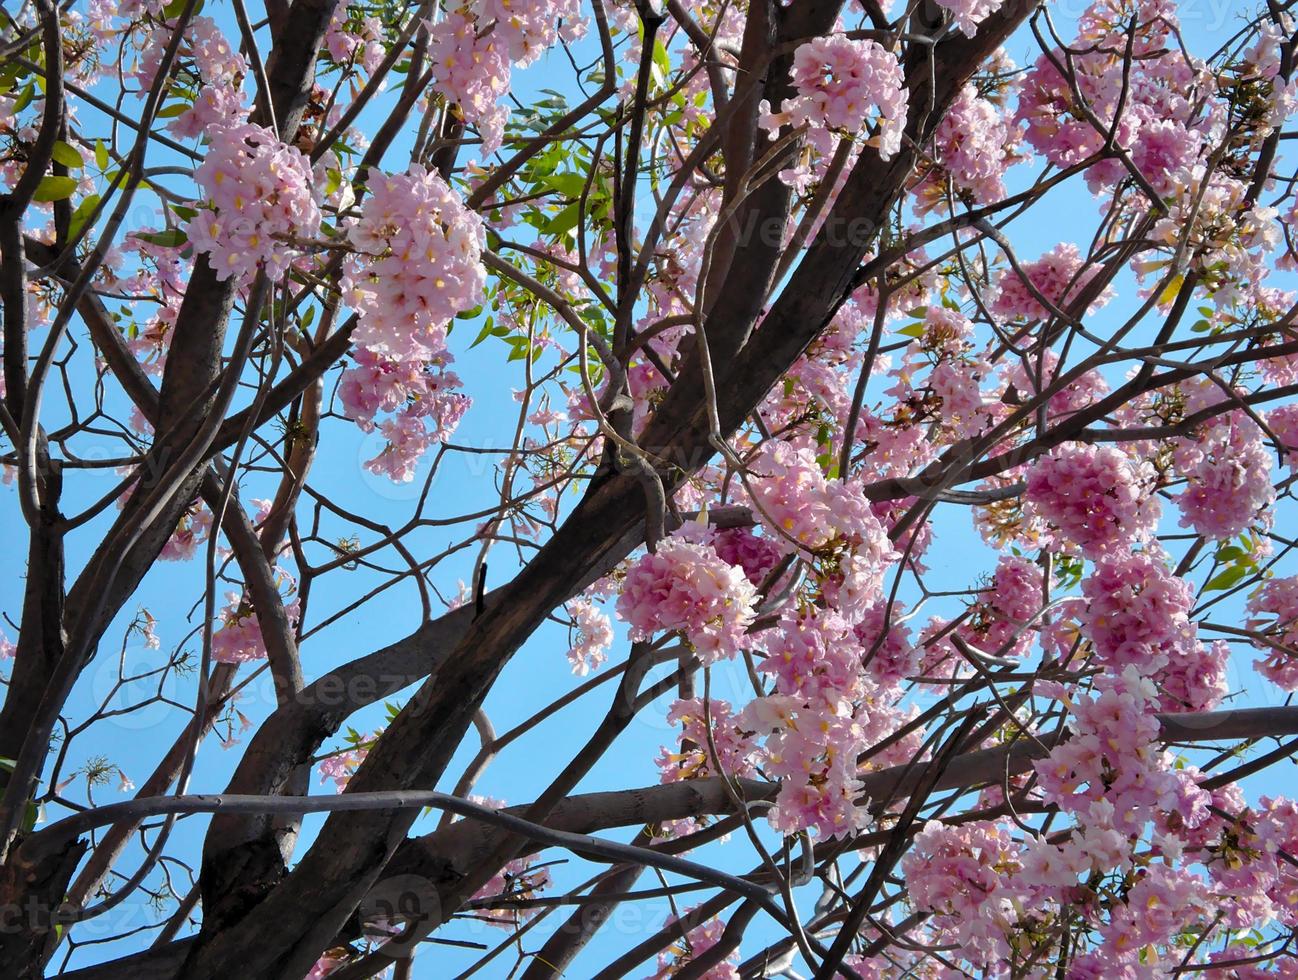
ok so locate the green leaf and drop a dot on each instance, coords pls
(24, 98)
(82, 214)
(1227, 578)
(101, 155)
(484, 334)
(176, 7)
(67, 154)
(564, 221)
(1230, 553)
(912, 330)
(171, 238)
(173, 110)
(662, 63)
(569, 185)
(55, 189)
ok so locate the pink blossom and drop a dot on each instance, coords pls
(811, 657)
(594, 637)
(695, 758)
(193, 528)
(418, 264)
(1113, 758)
(1278, 598)
(828, 517)
(889, 658)
(968, 14)
(1058, 276)
(258, 192)
(967, 877)
(697, 942)
(341, 766)
(1097, 497)
(757, 556)
(686, 586)
(1137, 612)
(844, 84)
(1228, 478)
(239, 637)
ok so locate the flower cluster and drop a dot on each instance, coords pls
(812, 750)
(969, 878)
(421, 393)
(239, 638)
(1137, 612)
(1227, 469)
(845, 84)
(1162, 124)
(1096, 496)
(968, 14)
(734, 747)
(471, 50)
(1278, 598)
(418, 264)
(684, 585)
(341, 766)
(975, 144)
(594, 637)
(354, 40)
(827, 518)
(755, 554)
(695, 943)
(1113, 758)
(1058, 277)
(258, 198)
(889, 655)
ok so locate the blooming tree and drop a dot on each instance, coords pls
(886, 410)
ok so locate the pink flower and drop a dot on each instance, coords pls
(239, 638)
(1097, 498)
(418, 265)
(1228, 478)
(811, 657)
(685, 586)
(967, 877)
(697, 942)
(1162, 902)
(1057, 275)
(341, 766)
(258, 191)
(193, 528)
(829, 518)
(407, 441)
(1137, 612)
(1278, 598)
(594, 637)
(695, 760)
(1113, 759)
(889, 658)
(757, 556)
(968, 14)
(845, 84)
